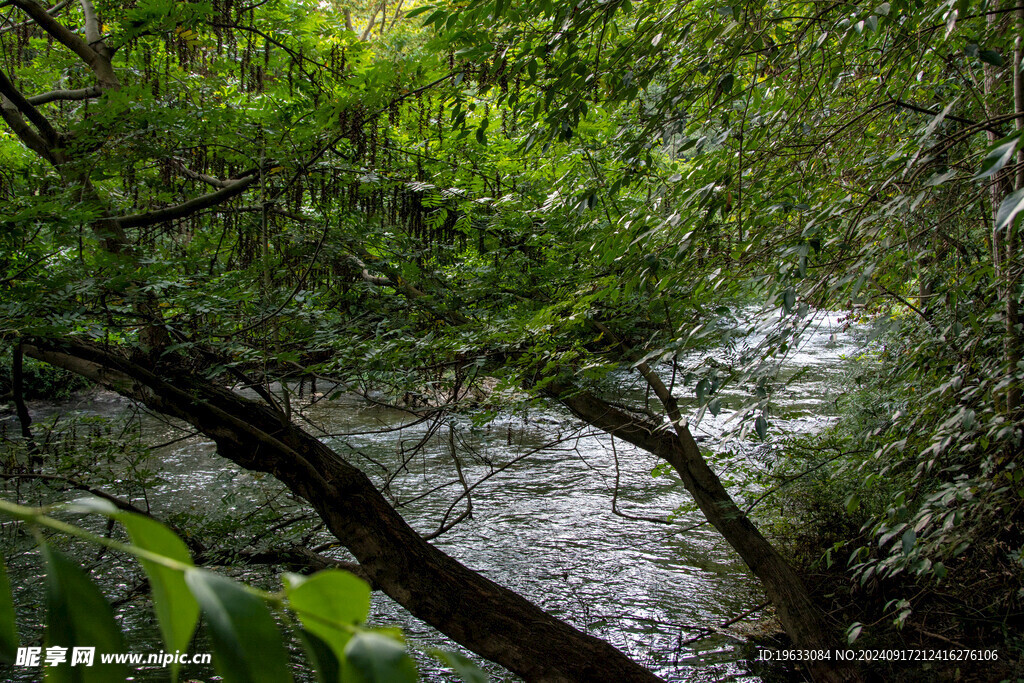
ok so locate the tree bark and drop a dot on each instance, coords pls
(490, 620)
(18, 395)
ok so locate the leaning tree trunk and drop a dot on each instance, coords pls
(490, 620)
(800, 617)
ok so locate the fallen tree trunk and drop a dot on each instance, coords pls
(488, 619)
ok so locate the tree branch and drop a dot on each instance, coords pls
(56, 29)
(65, 95)
(92, 24)
(97, 61)
(202, 177)
(984, 125)
(29, 137)
(47, 131)
(297, 558)
(185, 209)
(52, 12)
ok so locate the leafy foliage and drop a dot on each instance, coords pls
(247, 641)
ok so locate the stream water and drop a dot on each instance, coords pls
(543, 526)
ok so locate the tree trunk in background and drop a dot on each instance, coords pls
(18, 395)
(1004, 258)
(1012, 261)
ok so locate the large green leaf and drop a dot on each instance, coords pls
(78, 615)
(325, 661)
(998, 155)
(327, 600)
(463, 666)
(246, 642)
(8, 629)
(380, 659)
(176, 610)
(1009, 208)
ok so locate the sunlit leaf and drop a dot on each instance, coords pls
(1009, 208)
(381, 659)
(998, 156)
(78, 615)
(247, 644)
(8, 627)
(327, 602)
(176, 609)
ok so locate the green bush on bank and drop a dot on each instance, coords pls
(906, 512)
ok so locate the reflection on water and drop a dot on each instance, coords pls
(544, 526)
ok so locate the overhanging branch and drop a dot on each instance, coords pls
(65, 95)
(14, 96)
(97, 59)
(186, 209)
(51, 11)
(59, 31)
(25, 133)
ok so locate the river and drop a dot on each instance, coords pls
(542, 526)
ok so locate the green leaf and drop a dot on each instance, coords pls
(1009, 208)
(325, 662)
(92, 504)
(852, 503)
(8, 627)
(462, 665)
(177, 611)
(991, 57)
(703, 387)
(327, 602)
(380, 659)
(909, 538)
(418, 11)
(77, 615)
(715, 406)
(246, 641)
(761, 427)
(999, 154)
(789, 300)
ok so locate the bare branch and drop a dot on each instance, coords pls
(365, 274)
(984, 125)
(98, 62)
(12, 95)
(52, 12)
(188, 208)
(25, 133)
(92, 24)
(65, 95)
(202, 177)
(373, 19)
(297, 557)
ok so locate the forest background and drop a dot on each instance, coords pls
(470, 207)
